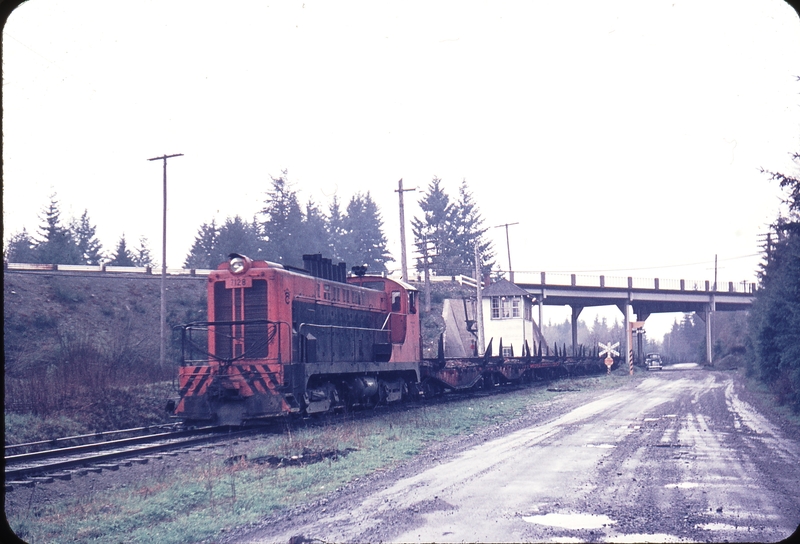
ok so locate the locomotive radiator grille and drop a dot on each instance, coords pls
(248, 340)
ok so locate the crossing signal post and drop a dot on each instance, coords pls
(610, 352)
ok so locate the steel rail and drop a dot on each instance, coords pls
(13, 473)
(88, 435)
(109, 444)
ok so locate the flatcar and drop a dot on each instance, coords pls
(281, 340)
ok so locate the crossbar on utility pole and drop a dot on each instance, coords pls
(403, 261)
(163, 350)
(508, 248)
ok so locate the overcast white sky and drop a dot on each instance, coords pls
(624, 137)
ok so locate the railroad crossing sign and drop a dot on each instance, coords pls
(608, 349)
(609, 352)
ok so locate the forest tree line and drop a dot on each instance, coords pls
(283, 231)
(774, 319)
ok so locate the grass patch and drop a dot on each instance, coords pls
(197, 503)
(768, 400)
(118, 408)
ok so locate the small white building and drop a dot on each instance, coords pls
(508, 315)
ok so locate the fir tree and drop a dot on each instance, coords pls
(21, 248)
(237, 236)
(363, 241)
(283, 224)
(467, 228)
(315, 231)
(336, 229)
(56, 244)
(774, 338)
(203, 252)
(89, 246)
(142, 255)
(122, 255)
(433, 233)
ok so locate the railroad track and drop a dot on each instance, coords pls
(43, 466)
(26, 469)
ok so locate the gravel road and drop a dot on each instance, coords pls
(675, 456)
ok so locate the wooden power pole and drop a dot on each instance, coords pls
(163, 350)
(403, 261)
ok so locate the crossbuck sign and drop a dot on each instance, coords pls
(608, 349)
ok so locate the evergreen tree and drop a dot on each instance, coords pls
(237, 236)
(204, 250)
(283, 224)
(89, 247)
(122, 255)
(774, 339)
(467, 228)
(142, 255)
(21, 248)
(433, 233)
(56, 244)
(362, 240)
(336, 229)
(686, 341)
(315, 231)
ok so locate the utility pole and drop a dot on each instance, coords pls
(403, 262)
(163, 351)
(508, 248)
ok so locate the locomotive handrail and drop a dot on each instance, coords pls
(208, 324)
(299, 329)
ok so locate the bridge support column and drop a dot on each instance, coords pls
(628, 343)
(712, 307)
(708, 336)
(576, 312)
(541, 316)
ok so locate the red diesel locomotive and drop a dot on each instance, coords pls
(281, 340)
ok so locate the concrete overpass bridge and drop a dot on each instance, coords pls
(643, 296)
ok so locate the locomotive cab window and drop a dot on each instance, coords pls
(412, 302)
(395, 301)
(378, 285)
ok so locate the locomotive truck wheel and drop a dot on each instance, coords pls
(429, 389)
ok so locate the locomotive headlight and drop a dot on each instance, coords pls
(238, 263)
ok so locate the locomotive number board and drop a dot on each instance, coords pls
(234, 282)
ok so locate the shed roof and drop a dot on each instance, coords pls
(504, 288)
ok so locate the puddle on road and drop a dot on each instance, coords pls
(682, 485)
(571, 521)
(683, 366)
(719, 527)
(658, 537)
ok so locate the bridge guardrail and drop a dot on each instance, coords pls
(630, 282)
